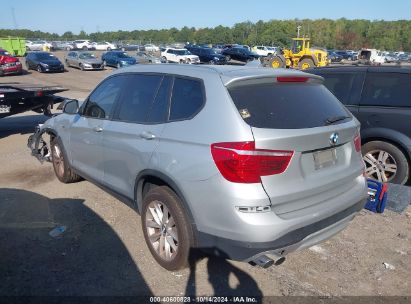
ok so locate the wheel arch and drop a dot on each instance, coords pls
(311, 57)
(147, 178)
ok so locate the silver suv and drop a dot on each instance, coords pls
(247, 163)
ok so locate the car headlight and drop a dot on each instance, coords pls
(44, 64)
(124, 62)
(87, 65)
(216, 58)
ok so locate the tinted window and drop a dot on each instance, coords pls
(387, 89)
(101, 101)
(187, 98)
(286, 106)
(340, 85)
(138, 96)
(159, 109)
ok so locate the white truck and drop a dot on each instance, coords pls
(371, 56)
(179, 56)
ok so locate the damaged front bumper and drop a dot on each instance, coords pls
(39, 147)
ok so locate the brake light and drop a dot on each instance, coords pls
(241, 162)
(292, 79)
(357, 142)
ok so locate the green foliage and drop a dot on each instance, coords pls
(332, 34)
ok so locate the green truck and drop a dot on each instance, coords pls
(14, 45)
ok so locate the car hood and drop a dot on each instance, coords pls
(92, 61)
(7, 59)
(50, 61)
(127, 59)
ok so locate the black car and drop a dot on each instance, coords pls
(345, 55)
(43, 62)
(240, 54)
(207, 55)
(334, 57)
(380, 98)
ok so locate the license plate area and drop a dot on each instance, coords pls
(325, 158)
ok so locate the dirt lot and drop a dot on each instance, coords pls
(102, 252)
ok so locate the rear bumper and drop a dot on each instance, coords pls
(294, 240)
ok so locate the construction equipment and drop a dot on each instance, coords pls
(14, 45)
(300, 56)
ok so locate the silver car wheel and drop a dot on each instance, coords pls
(58, 160)
(161, 230)
(380, 165)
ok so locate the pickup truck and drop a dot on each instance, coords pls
(18, 98)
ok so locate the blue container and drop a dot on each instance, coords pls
(377, 196)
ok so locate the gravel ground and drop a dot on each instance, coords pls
(102, 250)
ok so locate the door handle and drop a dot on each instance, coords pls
(97, 129)
(147, 135)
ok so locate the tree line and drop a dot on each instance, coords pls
(331, 34)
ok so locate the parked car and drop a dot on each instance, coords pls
(240, 54)
(390, 57)
(380, 99)
(151, 48)
(104, 46)
(83, 45)
(84, 61)
(9, 64)
(38, 45)
(208, 55)
(179, 56)
(406, 57)
(347, 56)
(63, 45)
(117, 59)
(143, 57)
(334, 57)
(43, 62)
(262, 50)
(130, 47)
(371, 56)
(281, 179)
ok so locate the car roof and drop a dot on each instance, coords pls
(227, 73)
(361, 68)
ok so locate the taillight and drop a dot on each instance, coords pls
(241, 162)
(292, 79)
(357, 142)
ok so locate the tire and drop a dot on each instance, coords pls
(118, 65)
(108, 49)
(164, 59)
(104, 63)
(228, 58)
(175, 240)
(123, 49)
(277, 62)
(211, 62)
(306, 64)
(181, 61)
(385, 162)
(39, 69)
(61, 167)
(68, 48)
(81, 67)
(85, 48)
(27, 48)
(67, 64)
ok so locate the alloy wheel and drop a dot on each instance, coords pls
(380, 165)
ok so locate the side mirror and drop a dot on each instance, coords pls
(71, 106)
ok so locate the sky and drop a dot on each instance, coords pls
(58, 16)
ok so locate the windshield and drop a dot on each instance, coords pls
(87, 56)
(182, 52)
(122, 55)
(45, 56)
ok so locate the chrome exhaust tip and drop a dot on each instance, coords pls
(265, 262)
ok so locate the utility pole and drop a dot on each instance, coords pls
(14, 18)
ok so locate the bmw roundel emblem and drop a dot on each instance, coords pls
(334, 139)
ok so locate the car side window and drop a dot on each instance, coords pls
(340, 85)
(159, 109)
(387, 89)
(100, 103)
(187, 98)
(137, 98)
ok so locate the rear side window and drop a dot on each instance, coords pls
(340, 85)
(387, 89)
(187, 98)
(137, 98)
(286, 106)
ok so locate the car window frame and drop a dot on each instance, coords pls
(203, 93)
(118, 101)
(84, 105)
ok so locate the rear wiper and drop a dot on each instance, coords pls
(334, 119)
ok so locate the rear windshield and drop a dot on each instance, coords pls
(288, 106)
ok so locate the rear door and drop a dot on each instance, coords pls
(130, 139)
(304, 119)
(386, 102)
